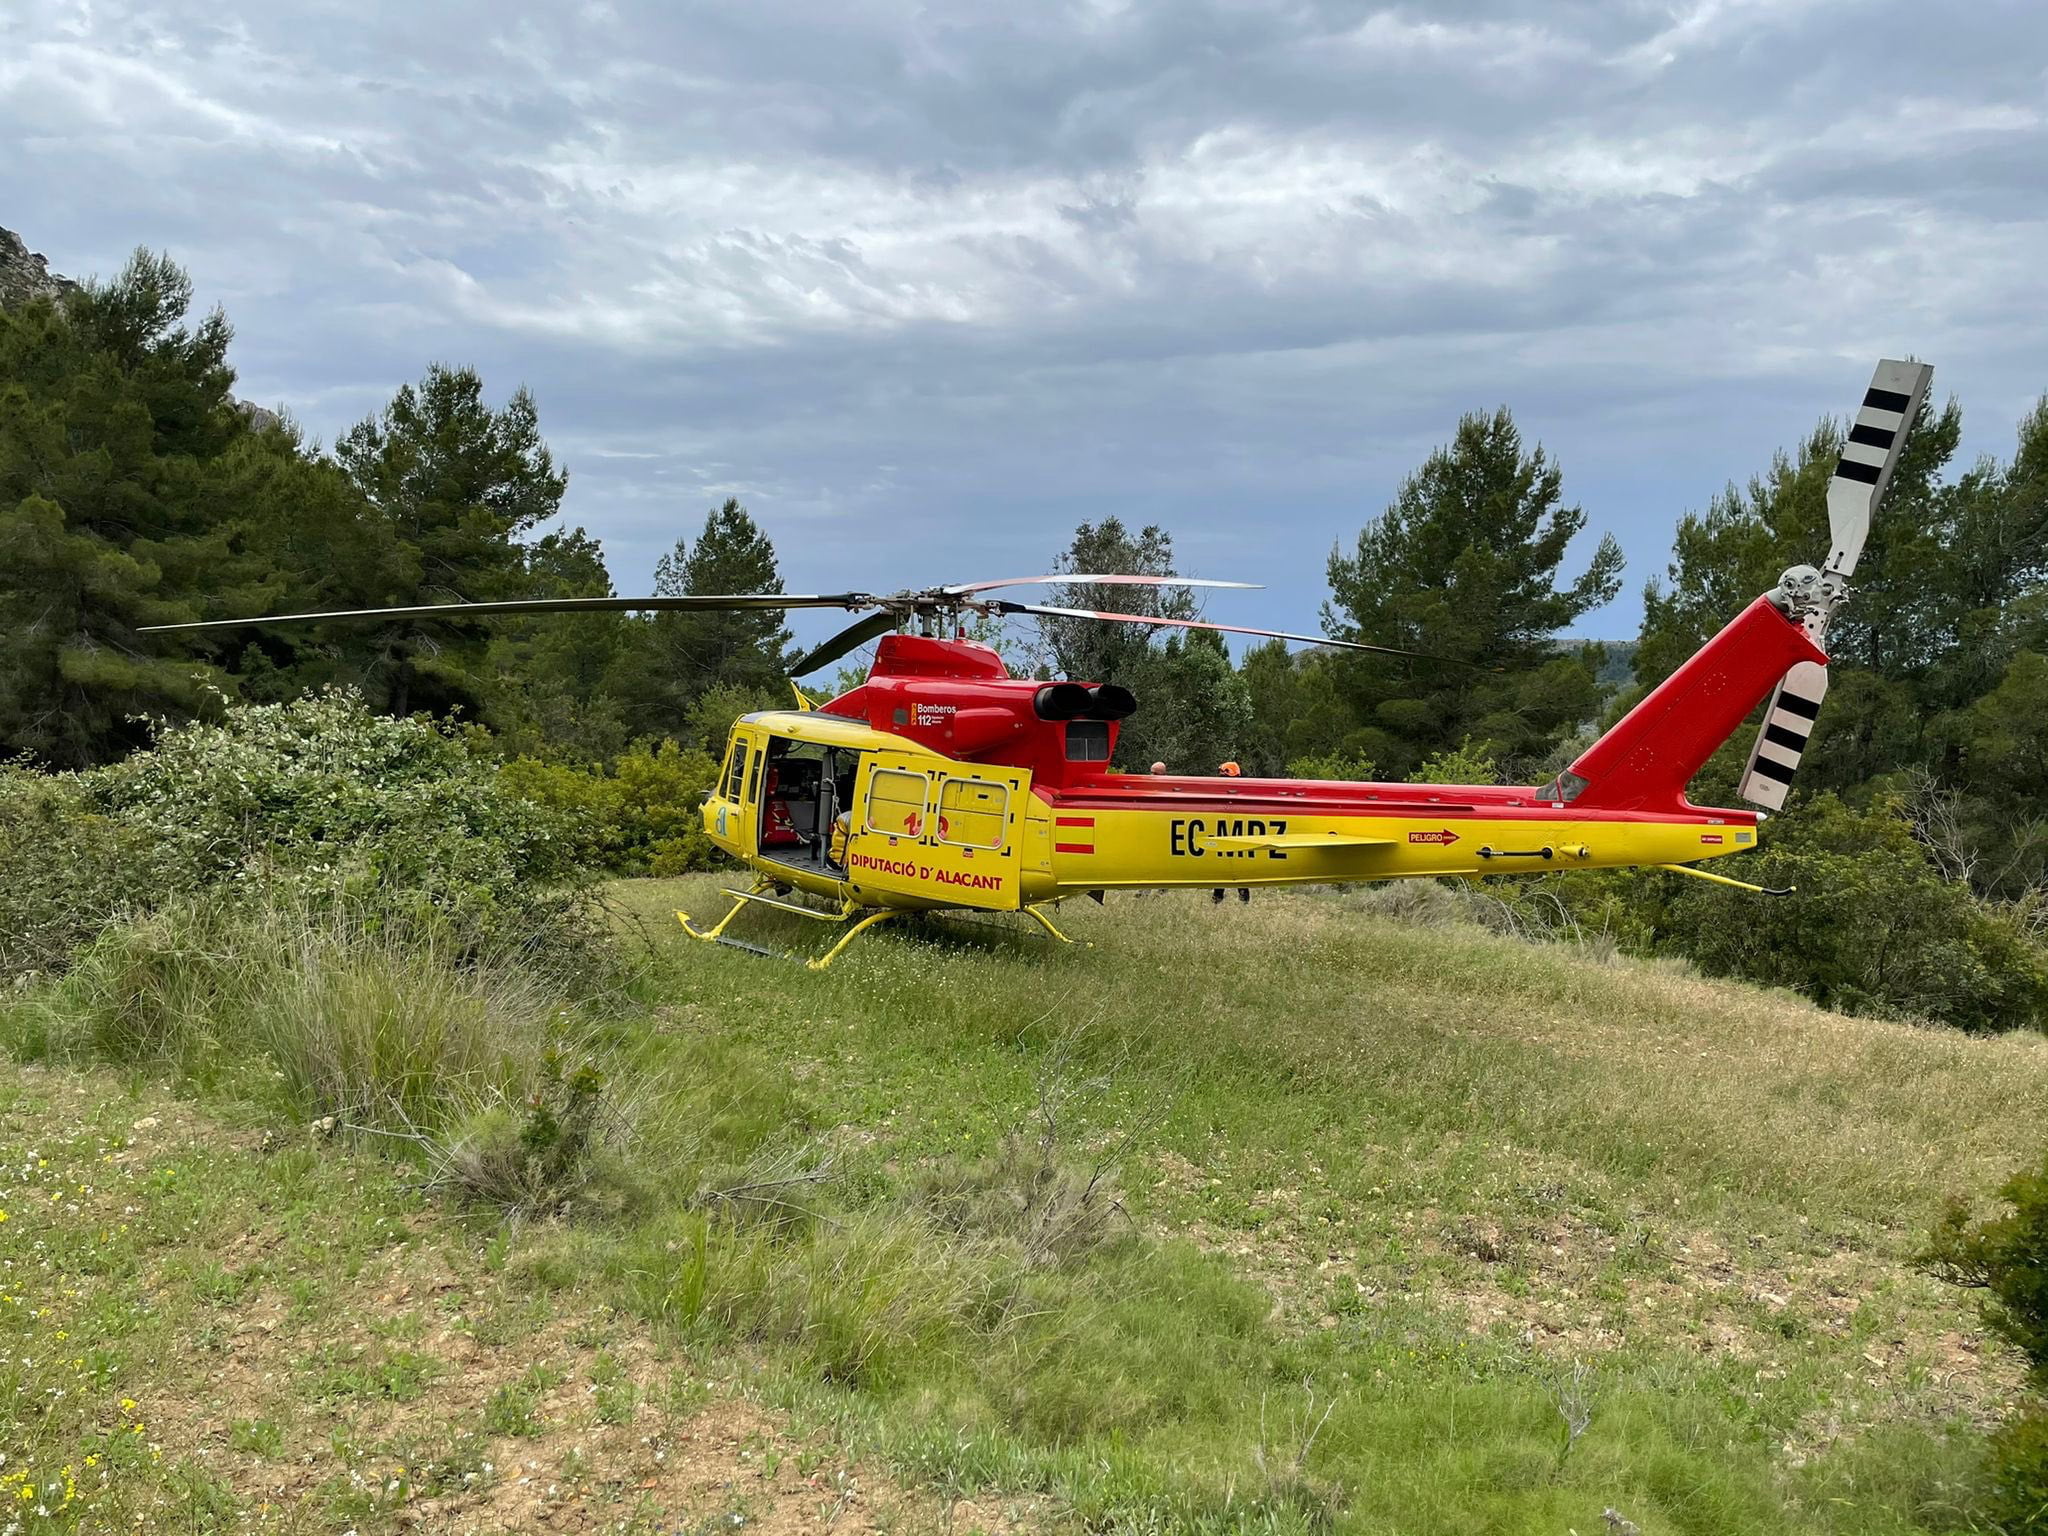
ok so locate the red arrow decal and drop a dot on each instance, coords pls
(1443, 838)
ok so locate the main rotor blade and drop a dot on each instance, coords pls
(851, 638)
(1228, 629)
(1072, 580)
(706, 602)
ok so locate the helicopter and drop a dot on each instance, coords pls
(941, 783)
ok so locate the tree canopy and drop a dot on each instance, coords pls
(1465, 565)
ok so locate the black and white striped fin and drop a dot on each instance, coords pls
(1782, 741)
(1869, 456)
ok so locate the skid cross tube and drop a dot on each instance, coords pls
(1039, 913)
(849, 936)
(758, 896)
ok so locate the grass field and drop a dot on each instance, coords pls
(1271, 1217)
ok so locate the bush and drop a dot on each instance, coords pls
(2017, 1503)
(642, 817)
(1462, 764)
(66, 871)
(1350, 767)
(318, 803)
(2007, 1256)
(1872, 928)
(321, 797)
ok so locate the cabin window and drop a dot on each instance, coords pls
(972, 813)
(754, 779)
(736, 769)
(1087, 741)
(896, 802)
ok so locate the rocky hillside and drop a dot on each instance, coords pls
(24, 274)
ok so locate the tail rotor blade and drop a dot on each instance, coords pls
(1871, 453)
(1788, 722)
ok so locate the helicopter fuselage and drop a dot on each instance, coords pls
(944, 782)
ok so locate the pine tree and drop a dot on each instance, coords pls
(1465, 564)
(1088, 650)
(1298, 709)
(1193, 709)
(456, 484)
(551, 674)
(675, 658)
(115, 422)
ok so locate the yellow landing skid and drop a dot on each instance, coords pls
(861, 918)
(758, 897)
(1740, 885)
(973, 919)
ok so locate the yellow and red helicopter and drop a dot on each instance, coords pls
(943, 783)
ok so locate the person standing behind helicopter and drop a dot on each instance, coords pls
(1230, 770)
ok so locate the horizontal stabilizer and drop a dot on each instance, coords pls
(1288, 842)
(1782, 741)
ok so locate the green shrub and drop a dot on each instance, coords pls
(317, 803)
(1350, 767)
(1873, 927)
(642, 816)
(541, 1153)
(2006, 1255)
(2017, 1503)
(321, 799)
(66, 870)
(1462, 764)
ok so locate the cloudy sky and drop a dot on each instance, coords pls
(926, 285)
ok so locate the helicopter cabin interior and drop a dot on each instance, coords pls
(801, 789)
(800, 803)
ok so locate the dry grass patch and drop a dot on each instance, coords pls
(334, 1355)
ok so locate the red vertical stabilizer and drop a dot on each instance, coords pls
(1646, 761)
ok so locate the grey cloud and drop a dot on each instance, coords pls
(928, 284)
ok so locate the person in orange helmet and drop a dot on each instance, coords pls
(1230, 770)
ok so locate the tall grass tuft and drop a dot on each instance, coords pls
(486, 1064)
